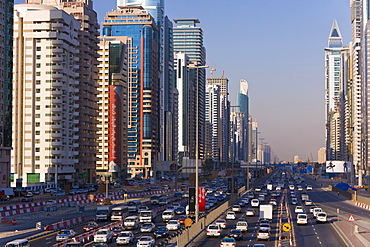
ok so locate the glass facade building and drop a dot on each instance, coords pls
(138, 24)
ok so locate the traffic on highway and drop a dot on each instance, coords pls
(281, 208)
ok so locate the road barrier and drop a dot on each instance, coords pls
(64, 224)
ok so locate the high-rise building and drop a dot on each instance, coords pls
(188, 39)
(356, 137)
(45, 79)
(242, 101)
(143, 85)
(113, 108)
(321, 155)
(213, 122)
(185, 113)
(336, 68)
(167, 125)
(224, 111)
(6, 59)
(86, 67)
(254, 140)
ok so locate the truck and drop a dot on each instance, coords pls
(146, 216)
(266, 212)
(104, 212)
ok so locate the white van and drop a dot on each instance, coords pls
(131, 222)
(18, 243)
(255, 203)
(301, 219)
(168, 215)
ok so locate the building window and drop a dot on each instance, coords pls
(37, 132)
(38, 48)
(37, 157)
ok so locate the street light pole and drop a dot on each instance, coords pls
(197, 67)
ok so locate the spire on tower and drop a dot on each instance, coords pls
(335, 37)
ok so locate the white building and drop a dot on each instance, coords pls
(213, 123)
(44, 94)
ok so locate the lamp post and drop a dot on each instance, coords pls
(197, 67)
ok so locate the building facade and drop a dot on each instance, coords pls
(242, 101)
(143, 85)
(188, 39)
(45, 79)
(113, 108)
(336, 69)
(6, 59)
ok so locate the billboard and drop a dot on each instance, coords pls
(338, 166)
(115, 125)
(202, 198)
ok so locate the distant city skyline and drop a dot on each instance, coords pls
(277, 47)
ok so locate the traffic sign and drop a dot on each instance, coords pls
(286, 227)
(188, 222)
(351, 218)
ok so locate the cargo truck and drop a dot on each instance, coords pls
(104, 212)
(266, 212)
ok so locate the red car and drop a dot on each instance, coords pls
(91, 226)
(181, 219)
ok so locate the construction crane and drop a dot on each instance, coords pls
(211, 71)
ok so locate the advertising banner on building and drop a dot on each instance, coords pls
(202, 198)
(338, 166)
(115, 125)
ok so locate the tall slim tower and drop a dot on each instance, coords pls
(242, 101)
(143, 85)
(188, 39)
(224, 127)
(6, 59)
(336, 61)
(113, 108)
(213, 121)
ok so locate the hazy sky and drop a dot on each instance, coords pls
(278, 47)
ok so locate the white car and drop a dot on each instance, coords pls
(236, 208)
(298, 209)
(64, 235)
(321, 217)
(125, 237)
(145, 241)
(309, 187)
(103, 236)
(312, 208)
(214, 230)
(301, 219)
(221, 223)
(250, 212)
(308, 203)
(242, 226)
(230, 215)
(255, 203)
(316, 211)
(173, 225)
(148, 227)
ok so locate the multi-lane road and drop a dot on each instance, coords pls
(312, 234)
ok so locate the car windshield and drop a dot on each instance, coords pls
(124, 234)
(172, 222)
(228, 240)
(145, 239)
(161, 228)
(103, 232)
(63, 232)
(213, 227)
(147, 225)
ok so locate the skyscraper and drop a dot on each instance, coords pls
(45, 78)
(6, 59)
(336, 61)
(143, 85)
(113, 108)
(242, 101)
(167, 126)
(188, 39)
(224, 111)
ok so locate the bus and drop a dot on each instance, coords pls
(119, 212)
(18, 243)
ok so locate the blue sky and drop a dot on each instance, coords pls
(277, 46)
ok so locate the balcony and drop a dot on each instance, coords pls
(56, 152)
(75, 129)
(57, 59)
(57, 101)
(58, 84)
(57, 76)
(57, 25)
(57, 92)
(56, 144)
(76, 145)
(57, 109)
(56, 118)
(57, 126)
(76, 106)
(57, 67)
(75, 153)
(57, 50)
(76, 114)
(66, 169)
(76, 98)
(57, 42)
(75, 121)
